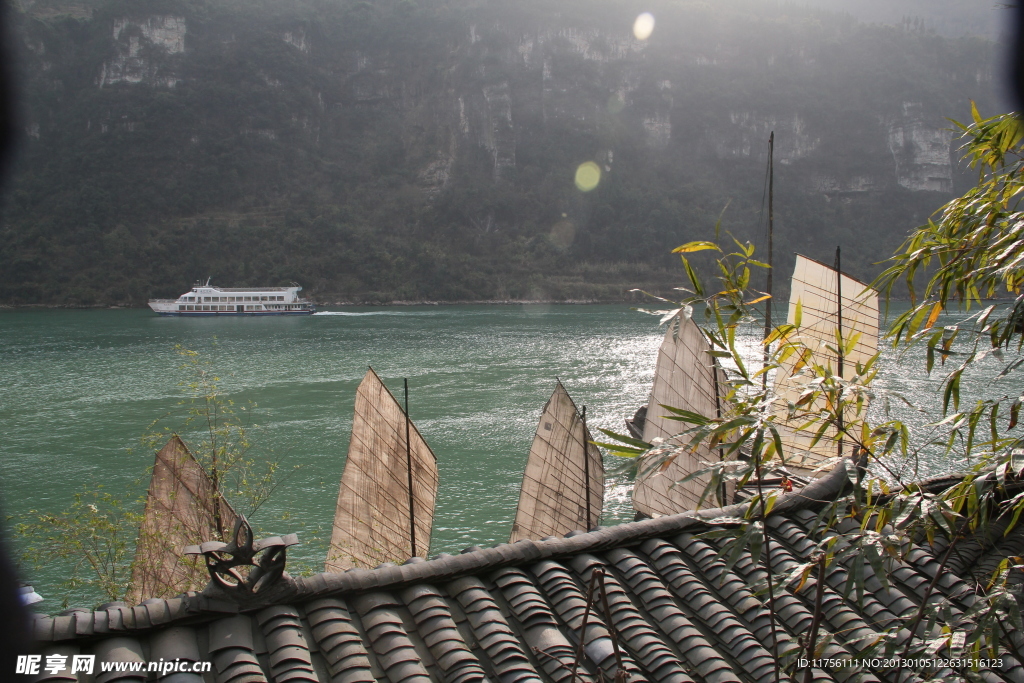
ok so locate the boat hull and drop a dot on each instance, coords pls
(228, 314)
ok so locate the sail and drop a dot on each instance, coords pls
(372, 522)
(683, 378)
(555, 497)
(817, 288)
(182, 508)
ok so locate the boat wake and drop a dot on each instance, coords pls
(318, 313)
(352, 314)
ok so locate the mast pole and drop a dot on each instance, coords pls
(586, 466)
(839, 338)
(771, 228)
(764, 387)
(408, 465)
(718, 414)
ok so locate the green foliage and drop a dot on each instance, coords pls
(973, 251)
(94, 538)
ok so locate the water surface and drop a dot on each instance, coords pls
(80, 387)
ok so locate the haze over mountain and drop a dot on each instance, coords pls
(386, 150)
(989, 18)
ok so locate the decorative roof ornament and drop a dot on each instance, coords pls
(245, 567)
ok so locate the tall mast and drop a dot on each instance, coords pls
(839, 338)
(408, 465)
(586, 466)
(771, 227)
(764, 387)
(722, 490)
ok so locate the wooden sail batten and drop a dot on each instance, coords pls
(183, 507)
(563, 483)
(388, 488)
(830, 301)
(684, 377)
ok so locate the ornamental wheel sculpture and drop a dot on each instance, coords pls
(245, 567)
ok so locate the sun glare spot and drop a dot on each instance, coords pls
(588, 175)
(643, 26)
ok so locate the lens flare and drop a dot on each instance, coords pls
(643, 26)
(588, 175)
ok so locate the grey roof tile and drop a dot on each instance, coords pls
(524, 598)
(178, 642)
(553, 651)
(58, 656)
(121, 618)
(339, 641)
(158, 610)
(570, 604)
(797, 619)
(513, 613)
(64, 627)
(736, 592)
(100, 621)
(287, 649)
(119, 649)
(492, 631)
(736, 638)
(386, 633)
(231, 632)
(437, 628)
(235, 665)
(140, 617)
(634, 632)
(885, 605)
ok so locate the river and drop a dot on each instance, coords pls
(81, 386)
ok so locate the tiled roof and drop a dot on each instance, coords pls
(513, 613)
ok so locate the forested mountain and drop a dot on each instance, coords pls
(374, 151)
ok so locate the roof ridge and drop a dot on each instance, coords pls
(214, 603)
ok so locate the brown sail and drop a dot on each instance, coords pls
(378, 513)
(183, 507)
(563, 485)
(683, 378)
(830, 301)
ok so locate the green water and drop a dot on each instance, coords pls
(79, 387)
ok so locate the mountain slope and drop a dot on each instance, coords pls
(395, 150)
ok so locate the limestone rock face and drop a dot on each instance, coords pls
(921, 150)
(142, 47)
(744, 133)
(504, 84)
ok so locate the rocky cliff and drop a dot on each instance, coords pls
(394, 150)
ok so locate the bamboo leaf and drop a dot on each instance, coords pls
(691, 247)
(625, 439)
(933, 316)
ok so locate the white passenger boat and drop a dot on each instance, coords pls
(206, 300)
